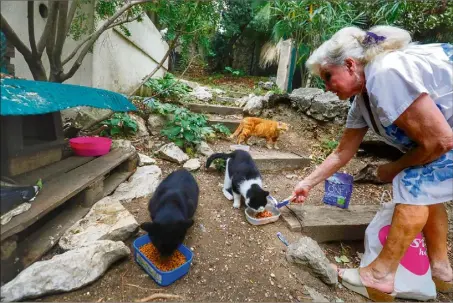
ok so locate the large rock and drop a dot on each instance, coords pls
(204, 149)
(68, 271)
(142, 184)
(202, 93)
(301, 98)
(307, 253)
(145, 160)
(155, 123)
(192, 165)
(83, 115)
(107, 220)
(142, 131)
(254, 106)
(327, 106)
(322, 106)
(241, 102)
(122, 143)
(172, 153)
(266, 85)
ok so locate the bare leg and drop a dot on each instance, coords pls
(435, 232)
(407, 222)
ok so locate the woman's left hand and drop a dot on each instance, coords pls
(387, 172)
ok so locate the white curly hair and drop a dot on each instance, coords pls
(353, 42)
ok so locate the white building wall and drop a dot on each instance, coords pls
(117, 63)
(121, 62)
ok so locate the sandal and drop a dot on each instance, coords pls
(351, 280)
(442, 286)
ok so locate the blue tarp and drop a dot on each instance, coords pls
(25, 97)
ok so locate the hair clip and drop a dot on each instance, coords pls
(371, 38)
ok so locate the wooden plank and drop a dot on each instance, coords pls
(25, 163)
(115, 179)
(48, 172)
(214, 109)
(42, 240)
(329, 223)
(224, 99)
(231, 124)
(66, 186)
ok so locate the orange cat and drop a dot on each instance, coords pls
(262, 128)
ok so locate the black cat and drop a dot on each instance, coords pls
(172, 209)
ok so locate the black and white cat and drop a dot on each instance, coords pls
(172, 209)
(242, 178)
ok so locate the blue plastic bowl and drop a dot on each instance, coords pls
(338, 190)
(163, 278)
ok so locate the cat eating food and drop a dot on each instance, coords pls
(242, 178)
(269, 129)
(172, 208)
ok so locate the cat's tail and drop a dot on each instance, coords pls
(238, 130)
(215, 156)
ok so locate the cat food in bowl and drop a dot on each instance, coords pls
(163, 272)
(260, 218)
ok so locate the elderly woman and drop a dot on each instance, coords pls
(404, 93)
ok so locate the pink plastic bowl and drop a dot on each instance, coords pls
(90, 146)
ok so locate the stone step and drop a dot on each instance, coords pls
(230, 123)
(329, 223)
(225, 99)
(274, 160)
(214, 109)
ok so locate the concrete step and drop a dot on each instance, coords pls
(275, 160)
(214, 109)
(232, 124)
(225, 99)
(329, 223)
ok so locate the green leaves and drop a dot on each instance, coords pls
(185, 128)
(168, 87)
(120, 125)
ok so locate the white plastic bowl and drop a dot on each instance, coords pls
(249, 214)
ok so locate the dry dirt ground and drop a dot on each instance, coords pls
(233, 260)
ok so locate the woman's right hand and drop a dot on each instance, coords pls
(301, 191)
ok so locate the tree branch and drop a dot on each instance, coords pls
(14, 39)
(96, 35)
(61, 35)
(170, 48)
(87, 38)
(31, 26)
(71, 14)
(48, 28)
(50, 44)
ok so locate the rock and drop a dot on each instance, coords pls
(218, 91)
(327, 106)
(142, 131)
(202, 93)
(172, 153)
(254, 106)
(68, 271)
(145, 160)
(243, 101)
(204, 149)
(192, 165)
(373, 144)
(266, 85)
(121, 143)
(155, 123)
(191, 84)
(307, 252)
(107, 220)
(82, 115)
(141, 184)
(301, 98)
(315, 295)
